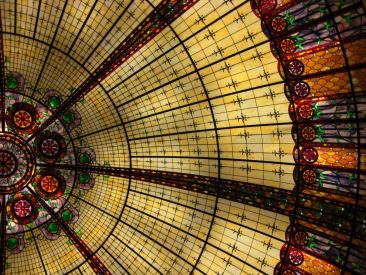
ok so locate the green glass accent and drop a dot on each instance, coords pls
(54, 102)
(52, 228)
(11, 82)
(84, 158)
(12, 243)
(67, 215)
(84, 178)
(68, 117)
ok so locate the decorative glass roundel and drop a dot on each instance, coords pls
(7, 163)
(17, 163)
(37, 167)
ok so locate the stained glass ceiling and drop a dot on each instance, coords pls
(182, 137)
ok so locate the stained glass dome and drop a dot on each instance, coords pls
(182, 137)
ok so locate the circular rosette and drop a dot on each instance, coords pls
(71, 119)
(23, 208)
(17, 163)
(309, 176)
(297, 90)
(86, 156)
(306, 133)
(287, 45)
(15, 243)
(51, 230)
(305, 111)
(295, 256)
(8, 163)
(85, 181)
(50, 184)
(22, 117)
(295, 67)
(279, 23)
(305, 155)
(50, 147)
(14, 82)
(69, 214)
(52, 99)
(300, 237)
(309, 154)
(263, 8)
(300, 89)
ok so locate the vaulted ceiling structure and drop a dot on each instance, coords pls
(182, 137)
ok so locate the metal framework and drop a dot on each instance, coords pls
(302, 204)
(2, 111)
(152, 25)
(161, 16)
